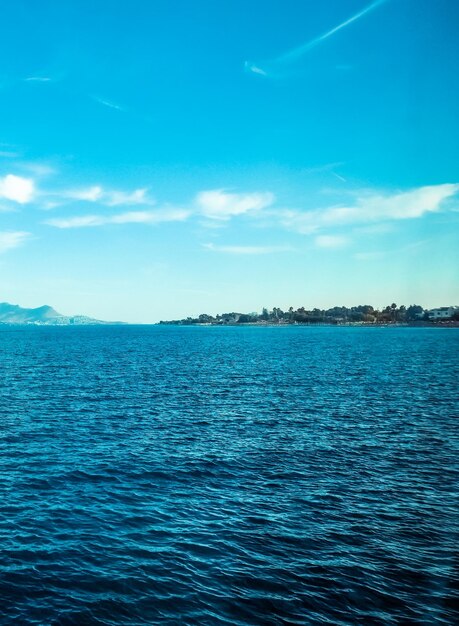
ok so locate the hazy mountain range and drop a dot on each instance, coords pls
(43, 315)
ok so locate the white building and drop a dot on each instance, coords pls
(443, 312)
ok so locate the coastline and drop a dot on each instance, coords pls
(423, 324)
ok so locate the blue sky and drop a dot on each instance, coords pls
(163, 159)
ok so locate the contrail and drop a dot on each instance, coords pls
(296, 53)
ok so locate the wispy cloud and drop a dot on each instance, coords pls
(78, 221)
(109, 103)
(38, 79)
(246, 249)
(37, 168)
(108, 197)
(17, 189)
(296, 53)
(251, 67)
(220, 205)
(138, 196)
(12, 239)
(371, 207)
(130, 217)
(89, 194)
(332, 241)
(151, 217)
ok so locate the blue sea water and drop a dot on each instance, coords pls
(229, 476)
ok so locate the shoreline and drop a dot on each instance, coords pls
(445, 324)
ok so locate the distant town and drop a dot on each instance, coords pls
(363, 314)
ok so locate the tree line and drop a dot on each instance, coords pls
(363, 313)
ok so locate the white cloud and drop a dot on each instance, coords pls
(138, 196)
(108, 197)
(130, 217)
(12, 239)
(331, 241)
(91, 194)
(413, 203)
(217, 204)
(17, 188)
(151, 217)
(246, 249)
(372, 207)
(78, 221)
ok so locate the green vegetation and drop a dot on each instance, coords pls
(338, 315)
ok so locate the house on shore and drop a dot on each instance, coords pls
(443, 312)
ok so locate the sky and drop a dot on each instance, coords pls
(163, 159)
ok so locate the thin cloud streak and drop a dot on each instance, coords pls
(38, 79)
(12, 239)
(109, 104)
(130, 217)
(296, 53)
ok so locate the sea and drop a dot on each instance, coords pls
(229, 475)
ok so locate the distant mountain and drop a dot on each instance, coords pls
(43, 315)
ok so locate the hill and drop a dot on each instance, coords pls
(42, 316)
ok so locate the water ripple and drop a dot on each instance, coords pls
(224, 476)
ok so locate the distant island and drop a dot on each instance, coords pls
(363, 314)
(13, 314)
